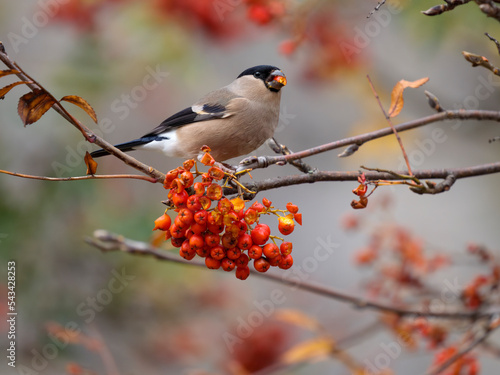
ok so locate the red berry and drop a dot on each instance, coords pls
(261, 265)
(176, 231)
(245, 241)
(233, 253)
(177, 242)
(187, 255)
(286, 248)
(292, 208)
(255, 252)
(271, 250)
(180, 199)
(285, 262)
(163, 222)
(260, 234)
(215, 228)
(274, 261)
(228, 264)
(196, 242)
(212, 263)
(203, 251)
(298, 218)
(198, 228)
(217, 252)
(266, 202)
(193, 203)
(187, 179)
(201, 217)
(258, 207)
(242, 272)
(229, 241)
(212, 239)
(242, 261)
(186, 216)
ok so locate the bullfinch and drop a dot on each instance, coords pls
(233, 121)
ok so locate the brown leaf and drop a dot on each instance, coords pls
(397, 101)
(90, 163)
(6, 89)
(33, 105)
(82, 103)
(4, 73)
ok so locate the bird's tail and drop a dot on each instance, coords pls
(125, 147)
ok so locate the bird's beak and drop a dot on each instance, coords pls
(276, 80)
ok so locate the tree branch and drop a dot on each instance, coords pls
(107, 241)
(88, 134)
(359, 140)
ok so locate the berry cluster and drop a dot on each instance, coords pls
(227, 235)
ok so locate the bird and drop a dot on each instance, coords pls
(232, 121)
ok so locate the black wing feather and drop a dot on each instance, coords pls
(188, 116)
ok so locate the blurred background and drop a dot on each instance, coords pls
(138, 62)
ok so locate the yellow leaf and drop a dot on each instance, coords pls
(297, 318)
(6, 89)
(7, 72)
(82, 103)
(314, 349)
(90, 163)
(397, 101)
(33, 105)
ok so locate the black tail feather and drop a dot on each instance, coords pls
(125, 147)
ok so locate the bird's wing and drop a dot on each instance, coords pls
(216, 105)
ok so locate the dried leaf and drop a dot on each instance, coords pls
(33, 105)
(6, 89)
(90, 163)
(83, 104)
(314, 349)
(397, 101)
(297, 318)
(4, 73)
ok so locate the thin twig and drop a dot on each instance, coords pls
(107, 241)
(79, 178)
(388, 118)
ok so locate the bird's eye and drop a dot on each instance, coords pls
(257, 74)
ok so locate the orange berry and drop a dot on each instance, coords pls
(217, 252)
(228, 264)
(163, 222)
(285, 262)
(286, 225)
(245, 241)
(255, 252)
(286, 248)
(266, 202)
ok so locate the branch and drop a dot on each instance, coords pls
(88, 134)
(439, 9)
(107, 241)
(79, 178)
(492, 326)
(359, 140)
(449, 175)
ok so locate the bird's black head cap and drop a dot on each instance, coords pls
(259, 71)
